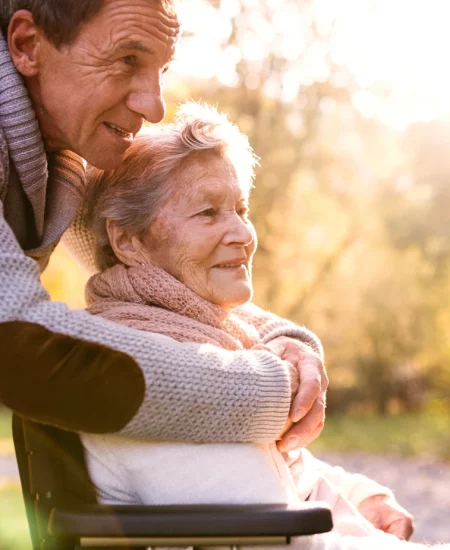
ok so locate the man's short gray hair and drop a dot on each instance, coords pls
(61, 20)
(133, 194)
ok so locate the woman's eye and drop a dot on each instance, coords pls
(208, 212)
(129, 60)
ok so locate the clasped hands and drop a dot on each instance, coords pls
(309, 382)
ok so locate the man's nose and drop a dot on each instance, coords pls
(146, 99)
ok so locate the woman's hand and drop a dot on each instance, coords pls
(309, 382)
(385, 513)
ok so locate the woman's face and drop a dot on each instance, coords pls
(203, 236)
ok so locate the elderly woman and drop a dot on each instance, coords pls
(175, 248)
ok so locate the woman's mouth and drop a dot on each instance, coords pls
(231, 265)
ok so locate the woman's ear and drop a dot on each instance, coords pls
(24, 43)
(126, 246)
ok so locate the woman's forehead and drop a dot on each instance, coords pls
(210, 178)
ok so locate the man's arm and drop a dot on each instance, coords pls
(270, 327)
(309, 381)
(81, 372)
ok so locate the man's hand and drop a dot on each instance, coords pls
(385, 513)
(309, 382)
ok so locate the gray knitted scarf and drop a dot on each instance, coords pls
(54, 183)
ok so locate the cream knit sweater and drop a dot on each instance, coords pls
(39, 198)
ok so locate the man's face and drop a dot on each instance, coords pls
(93, 96)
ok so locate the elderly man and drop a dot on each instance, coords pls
(77, 80)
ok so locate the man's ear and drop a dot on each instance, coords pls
(24, 43)
(126, 246)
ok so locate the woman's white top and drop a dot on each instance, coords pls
(126, 471)
(136, 472)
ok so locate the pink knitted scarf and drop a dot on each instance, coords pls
(148, 298)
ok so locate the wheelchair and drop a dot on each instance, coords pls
(63, 513)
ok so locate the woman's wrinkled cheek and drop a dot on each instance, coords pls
(187, 264)
(188, 256)
(168, 244)
(160, 237)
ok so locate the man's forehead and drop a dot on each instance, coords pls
(130, 23)
(168, 20)
(162, 13)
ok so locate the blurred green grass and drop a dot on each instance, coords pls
(13, 524)
(5, 423)
(405, 435)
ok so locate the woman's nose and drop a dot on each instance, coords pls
(239, 231)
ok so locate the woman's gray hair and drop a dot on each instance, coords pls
(133, 194)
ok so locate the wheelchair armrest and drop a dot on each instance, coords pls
(191, 521)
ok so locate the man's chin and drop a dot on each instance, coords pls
(103, 160)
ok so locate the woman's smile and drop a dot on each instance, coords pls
(232, 264)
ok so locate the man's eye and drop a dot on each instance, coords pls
(129, 60)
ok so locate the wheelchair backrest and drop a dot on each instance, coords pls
(53, 474)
